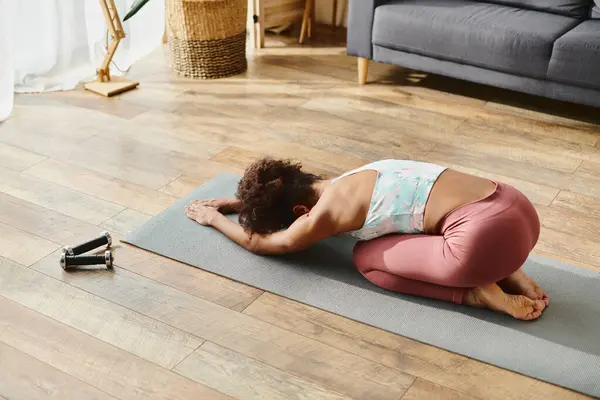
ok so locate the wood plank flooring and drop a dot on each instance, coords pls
(73, 164)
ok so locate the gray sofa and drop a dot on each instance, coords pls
(549, 48)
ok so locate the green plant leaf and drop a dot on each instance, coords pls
(135, 8)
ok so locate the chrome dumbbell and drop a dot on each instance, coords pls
(69, 262)
(102, 240)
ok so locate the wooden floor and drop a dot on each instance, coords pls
(73, 164)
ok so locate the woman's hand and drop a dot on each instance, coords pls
(305, 231)
(202, 214)
(224, 205)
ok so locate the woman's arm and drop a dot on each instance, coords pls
(304, 232)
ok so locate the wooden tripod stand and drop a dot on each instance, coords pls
(104, 83)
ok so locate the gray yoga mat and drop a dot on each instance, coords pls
(562, 347)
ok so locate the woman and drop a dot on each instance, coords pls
(423, 229)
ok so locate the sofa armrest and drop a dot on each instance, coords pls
(360, 27)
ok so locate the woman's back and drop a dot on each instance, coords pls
(399, 196)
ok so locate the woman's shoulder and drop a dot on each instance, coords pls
(341, 205)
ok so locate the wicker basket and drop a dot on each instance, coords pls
(207, 37)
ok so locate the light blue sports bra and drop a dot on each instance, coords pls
(399, 197)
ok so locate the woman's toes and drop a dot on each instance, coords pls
(539, 293)
(518, 283)
(517, 306)
(532, 312)
(533, 291)
(539, 305)
(534, 315)
(524, 308)
(534, 294)
(536, 310)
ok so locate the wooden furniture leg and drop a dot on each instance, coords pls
(260, 25)
(363, 70)
(311, 18)
(305, 20)
(334, 14)
(257, 16)
(344, 12)
(251, 24)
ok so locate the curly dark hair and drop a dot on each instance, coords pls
(268, 193)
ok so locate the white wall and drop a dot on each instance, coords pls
(324, 8)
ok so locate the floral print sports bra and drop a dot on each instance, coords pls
(399, 197)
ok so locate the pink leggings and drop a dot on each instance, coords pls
(480, 243)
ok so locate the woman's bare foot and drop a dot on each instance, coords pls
(519, 283)
(492, 297)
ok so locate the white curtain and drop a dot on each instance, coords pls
(48, 45)
(6, 61)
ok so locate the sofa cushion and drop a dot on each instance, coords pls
(576, 56)
(571, 8)
(491, 36)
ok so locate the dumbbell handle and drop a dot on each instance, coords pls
(102, 240)
(67, 261)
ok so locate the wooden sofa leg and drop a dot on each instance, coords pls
(363, 70)
(334, 14)
(305, 21)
